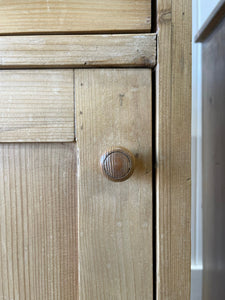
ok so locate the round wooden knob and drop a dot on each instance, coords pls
(117, 164)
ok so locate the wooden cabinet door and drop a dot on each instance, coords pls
(67, 231)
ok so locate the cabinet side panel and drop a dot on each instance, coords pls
(173, 149)
(38, 256)
(113, 108)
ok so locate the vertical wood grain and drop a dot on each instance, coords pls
(113, 108)
(38, 256)
(173, 142)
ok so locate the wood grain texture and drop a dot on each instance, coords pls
(36, 106)
(78, 50)
(38, 248)
(113, 108)
(213, 163)
(173, 148)
(37, 16)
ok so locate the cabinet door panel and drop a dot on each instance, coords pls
(36, 106)
(38, 247)
(113, 108)
(60, 216)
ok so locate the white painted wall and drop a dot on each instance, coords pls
(205, 9)
(201, 10)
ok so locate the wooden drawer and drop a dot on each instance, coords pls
(74, 16)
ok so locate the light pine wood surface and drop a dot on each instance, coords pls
(37, 16)
(38, 233)
(113, 108)
(173, 149)
(36, 106)
(78, 50)
(38, 208)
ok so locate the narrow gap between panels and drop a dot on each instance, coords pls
(71, 67)
(154, 240)
(89, 32)
(154, 16)
(154, 203)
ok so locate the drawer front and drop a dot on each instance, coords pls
(66, 230)
(74, 16)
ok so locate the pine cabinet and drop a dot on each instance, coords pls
(95, 150)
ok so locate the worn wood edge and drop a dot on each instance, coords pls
(214, 19)
(70, 51)
(173, 150)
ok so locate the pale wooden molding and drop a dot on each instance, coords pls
(173, 149)
(42, 51)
